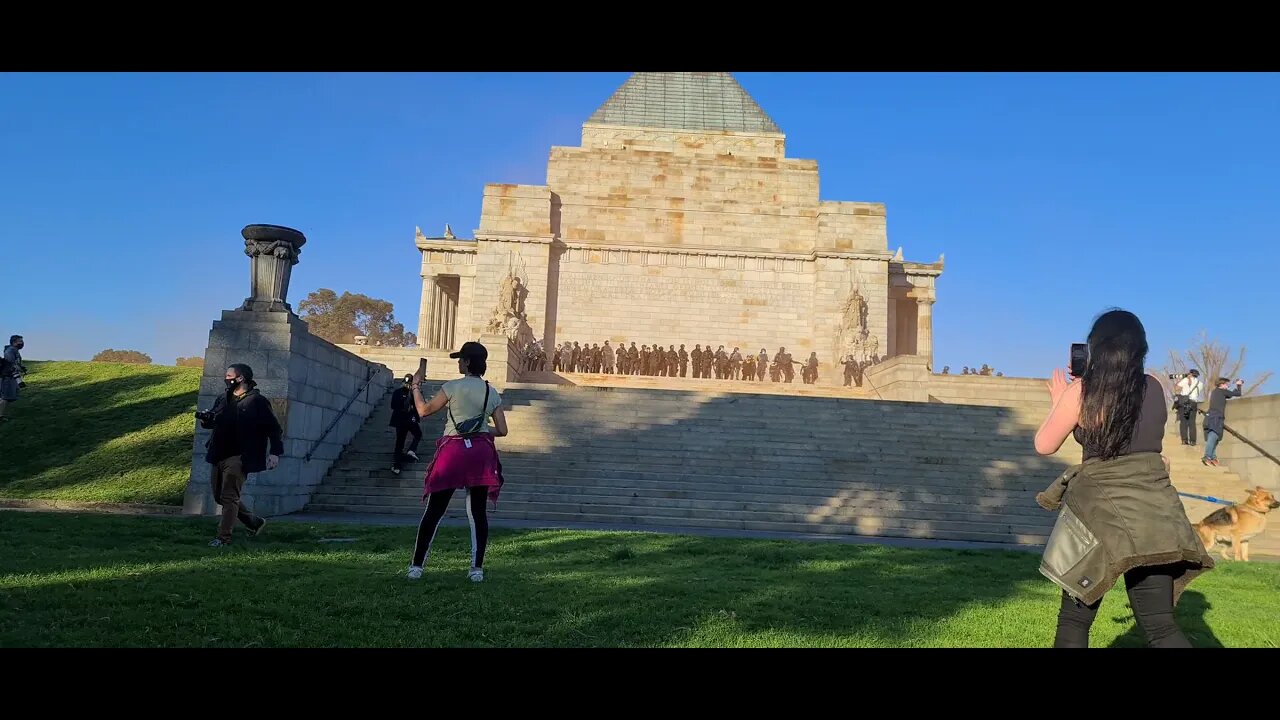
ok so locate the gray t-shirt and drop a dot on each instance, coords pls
(466, 401)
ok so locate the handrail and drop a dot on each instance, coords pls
(368, 378)
(1245, 440)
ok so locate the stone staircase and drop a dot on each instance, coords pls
(707, 458)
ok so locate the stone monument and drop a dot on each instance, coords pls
(680, 219)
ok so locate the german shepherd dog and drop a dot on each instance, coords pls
(1236, 524)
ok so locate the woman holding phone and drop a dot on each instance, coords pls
(1118, 513)
(465, 458)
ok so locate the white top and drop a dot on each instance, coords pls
(1191, 387)
(465, 395)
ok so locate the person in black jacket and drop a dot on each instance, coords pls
(1216, 417)
(243, 426)
(404, 418)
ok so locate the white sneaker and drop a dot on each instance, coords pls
(415, 572)
(412, 454)
(475, 575)
(395, 470)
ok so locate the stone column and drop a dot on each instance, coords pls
(273, 251)
(450, 323)
(924, 329)
(442, 316)
(424, 313)
(437, 297)
(446, 317)
(891, 342)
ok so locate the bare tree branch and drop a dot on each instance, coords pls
(1257, 384)
(1214, 360)
(1236, 367)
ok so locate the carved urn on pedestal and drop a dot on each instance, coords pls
(273, 251)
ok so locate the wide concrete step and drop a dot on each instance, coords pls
(739, 439)
(851, 415)
(643, 400)
(792, 515)
(730, 446)
(853, 494)
(733, 490)
(777, 459)
(715, 502)
(527, 428)
(636, 481)
(874, 527)
(780, 455)
(604, 470)
(380, 453)
(712, 409)
(692, 384)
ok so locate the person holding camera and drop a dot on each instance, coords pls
(11, 373)
(404, 418)
(466, 457)
(1118, 512)
(1215, 419)
(245, 431)
(1187, 396)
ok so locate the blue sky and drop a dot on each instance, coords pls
(1054, 196)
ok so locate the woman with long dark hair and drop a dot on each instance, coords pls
(465, 458)
(1119, 514)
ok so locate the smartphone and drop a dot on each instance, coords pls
(1079, 359)
(421, 374)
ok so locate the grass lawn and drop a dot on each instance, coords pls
(91, 580)
(100, 432)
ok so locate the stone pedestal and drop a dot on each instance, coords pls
(273, 251)
(504, 358)
(309, 381)
(320, 393)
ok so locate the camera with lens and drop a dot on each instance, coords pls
(207, 417)
(1177, 376)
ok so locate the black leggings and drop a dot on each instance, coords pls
(1151, 596)
(437, 503)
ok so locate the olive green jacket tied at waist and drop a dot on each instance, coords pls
(1117, 515)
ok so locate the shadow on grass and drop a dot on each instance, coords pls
(1190, 616)
(74, 433)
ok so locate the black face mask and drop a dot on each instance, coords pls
(232, 384)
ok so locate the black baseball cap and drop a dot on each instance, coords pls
(471, 350)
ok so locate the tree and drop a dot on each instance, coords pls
(194, 361)
(339, 319)
(1213, 360)
(123, 356)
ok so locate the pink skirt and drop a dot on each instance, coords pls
(464, 462)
